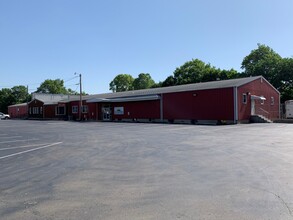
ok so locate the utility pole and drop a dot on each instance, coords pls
(80, 97)
(27, 101)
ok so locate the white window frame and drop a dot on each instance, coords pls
(74, 109)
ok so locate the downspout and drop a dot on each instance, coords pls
(235, 104)
(161, 109)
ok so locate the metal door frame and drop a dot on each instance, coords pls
(106, 113)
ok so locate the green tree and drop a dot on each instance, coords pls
(229, 74)
(20, 94)
(277, 70)
(196, 71)
(157, 85)
(285, 79)
(15, 95)
(122, 82)
(50, 86)
(190, 72)
(169, 81)
(262, 61)
(72, 92)
(143, 81)
(6, 99)
(210, 74)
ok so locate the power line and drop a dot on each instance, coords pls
(76, 89)
(70, 79)
(72, 84)
(35, 84)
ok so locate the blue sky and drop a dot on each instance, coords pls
(53, 39)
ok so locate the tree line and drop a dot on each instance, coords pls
(15, 95)
(261, 61)
(19, 94)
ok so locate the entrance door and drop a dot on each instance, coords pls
(107, 113)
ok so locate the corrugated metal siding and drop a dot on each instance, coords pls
(90, 115)
(214, 104)
(138, 110)
(18, 111)
(49, 111)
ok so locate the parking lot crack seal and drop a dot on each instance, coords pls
(285, 204)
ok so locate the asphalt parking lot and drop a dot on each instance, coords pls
(94, 170)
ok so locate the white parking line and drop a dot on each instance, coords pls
(4, 142)
(26, 146)
(3, 134)
(27, 151)
(57, 123)
(12, 137)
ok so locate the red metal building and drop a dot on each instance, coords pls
(18, 110)
(227, 101)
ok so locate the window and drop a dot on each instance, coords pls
(84, 109)
(30, 110)
(41, 110)
(35, 110)
(272, 100)
(75, 109)
(244, 98)
(60, 110)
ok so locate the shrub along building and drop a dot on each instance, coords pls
(227, 101)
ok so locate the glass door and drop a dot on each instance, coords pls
(107, 113)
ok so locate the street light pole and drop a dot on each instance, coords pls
(80, 97)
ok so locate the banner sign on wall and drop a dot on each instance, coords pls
(118, 110)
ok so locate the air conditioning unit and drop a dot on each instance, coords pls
(289, 108)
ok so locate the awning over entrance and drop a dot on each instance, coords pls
(125, 99)
(255, 97)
